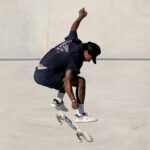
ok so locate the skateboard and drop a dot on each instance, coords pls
(79, 133)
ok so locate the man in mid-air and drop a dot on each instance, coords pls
(60, 67)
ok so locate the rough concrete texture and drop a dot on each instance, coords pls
(117, 94)
(23, 28)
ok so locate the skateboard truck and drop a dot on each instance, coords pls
(58, 118)
(77, 134)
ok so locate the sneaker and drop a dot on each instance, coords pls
(84, 118)
(58, 105)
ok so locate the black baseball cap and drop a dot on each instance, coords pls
(93, 50)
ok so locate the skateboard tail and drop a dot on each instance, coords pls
(86, 136)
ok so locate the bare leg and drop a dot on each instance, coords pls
(80, 95)
(80, 90)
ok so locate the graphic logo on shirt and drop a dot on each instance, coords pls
(64, 47)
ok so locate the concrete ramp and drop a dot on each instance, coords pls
(117, 94)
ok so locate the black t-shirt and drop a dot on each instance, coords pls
(65, 56)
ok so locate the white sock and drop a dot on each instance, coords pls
(80, 110)
(60, 97)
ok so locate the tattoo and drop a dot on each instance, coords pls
(78, 82)
(67, 83)
(81, 90)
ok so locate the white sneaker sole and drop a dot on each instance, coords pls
(85, 121)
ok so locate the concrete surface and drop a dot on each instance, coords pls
(23, 28)
(117, 94)
(29, 28)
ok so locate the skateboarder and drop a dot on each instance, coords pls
(60, 67)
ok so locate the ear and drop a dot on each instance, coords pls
(86, 52)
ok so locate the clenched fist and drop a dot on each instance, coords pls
(75, 105)
(82, 13)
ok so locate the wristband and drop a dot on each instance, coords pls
(74, 100)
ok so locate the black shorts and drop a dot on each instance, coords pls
(48, 78)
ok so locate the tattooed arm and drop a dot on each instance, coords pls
(69, 76)
(67, 83)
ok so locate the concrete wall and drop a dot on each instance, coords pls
(29, 28)
(23, 28)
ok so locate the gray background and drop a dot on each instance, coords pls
(117, 90)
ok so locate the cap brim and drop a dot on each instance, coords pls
(94, 60)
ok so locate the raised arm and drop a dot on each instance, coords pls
(82, 14)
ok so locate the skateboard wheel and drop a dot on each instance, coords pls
(75, 131)
(59, 123)
(79, 140)
(56, 115)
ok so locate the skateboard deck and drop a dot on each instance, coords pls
(79, 133)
